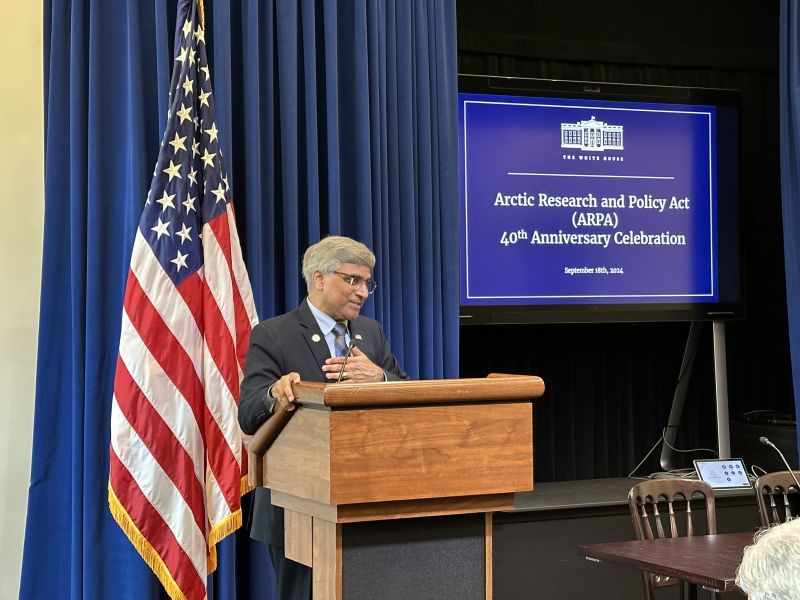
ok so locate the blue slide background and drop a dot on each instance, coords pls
(668, 151)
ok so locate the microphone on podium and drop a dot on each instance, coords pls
(349, 349)
(764, 440)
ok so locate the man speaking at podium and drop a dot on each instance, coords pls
(323, 340)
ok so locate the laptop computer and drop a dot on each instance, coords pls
(723, 473)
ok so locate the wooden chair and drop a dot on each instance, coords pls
(773, 497)
(662, 508)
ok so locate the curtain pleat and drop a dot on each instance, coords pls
(790, 177)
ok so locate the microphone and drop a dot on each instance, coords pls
(351, 344)
(766, 442)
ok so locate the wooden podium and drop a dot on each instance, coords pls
(354, 453)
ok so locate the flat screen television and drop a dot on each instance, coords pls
(592, 202)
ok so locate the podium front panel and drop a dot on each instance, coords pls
(414, 452)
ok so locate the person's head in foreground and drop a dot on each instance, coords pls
(770, 568)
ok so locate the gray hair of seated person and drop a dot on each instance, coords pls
(330, 253)
(770, 568)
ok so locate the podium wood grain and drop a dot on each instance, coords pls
(395, 509)
(298, 462)
(327, 571)
(356, 456)
(430, 452)
(298, 538)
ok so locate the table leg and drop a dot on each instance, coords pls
(688, 590)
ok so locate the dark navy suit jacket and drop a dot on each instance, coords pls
(282, 345)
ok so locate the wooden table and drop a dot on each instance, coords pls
(709, 561)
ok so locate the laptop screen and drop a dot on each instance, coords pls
(723, 473)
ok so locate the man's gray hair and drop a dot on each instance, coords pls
(330, 253)
(770, 568)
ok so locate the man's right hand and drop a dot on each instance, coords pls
(282, 390)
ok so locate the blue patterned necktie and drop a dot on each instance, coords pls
(339, 344)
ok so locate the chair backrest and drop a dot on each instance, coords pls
(774, 495)
(660, 506)
(649, 500)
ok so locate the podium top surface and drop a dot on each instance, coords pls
(387, 393)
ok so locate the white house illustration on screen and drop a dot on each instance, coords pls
(591, 135)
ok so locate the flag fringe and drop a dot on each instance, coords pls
(225, 527)
(244, 485)
(211, 560)
(220, 531)
(139, 541)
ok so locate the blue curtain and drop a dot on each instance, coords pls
(336, 117)
(790, 176)
(342, 122)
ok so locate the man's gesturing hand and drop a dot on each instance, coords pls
(359, 368)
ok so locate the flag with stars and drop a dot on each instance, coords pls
(177, 468)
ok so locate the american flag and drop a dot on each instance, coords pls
(177, 468)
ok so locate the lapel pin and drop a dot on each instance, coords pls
(358, 336)
(315, 337)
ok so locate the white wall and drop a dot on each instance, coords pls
(22, 203)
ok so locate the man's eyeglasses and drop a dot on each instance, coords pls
(356, 281)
